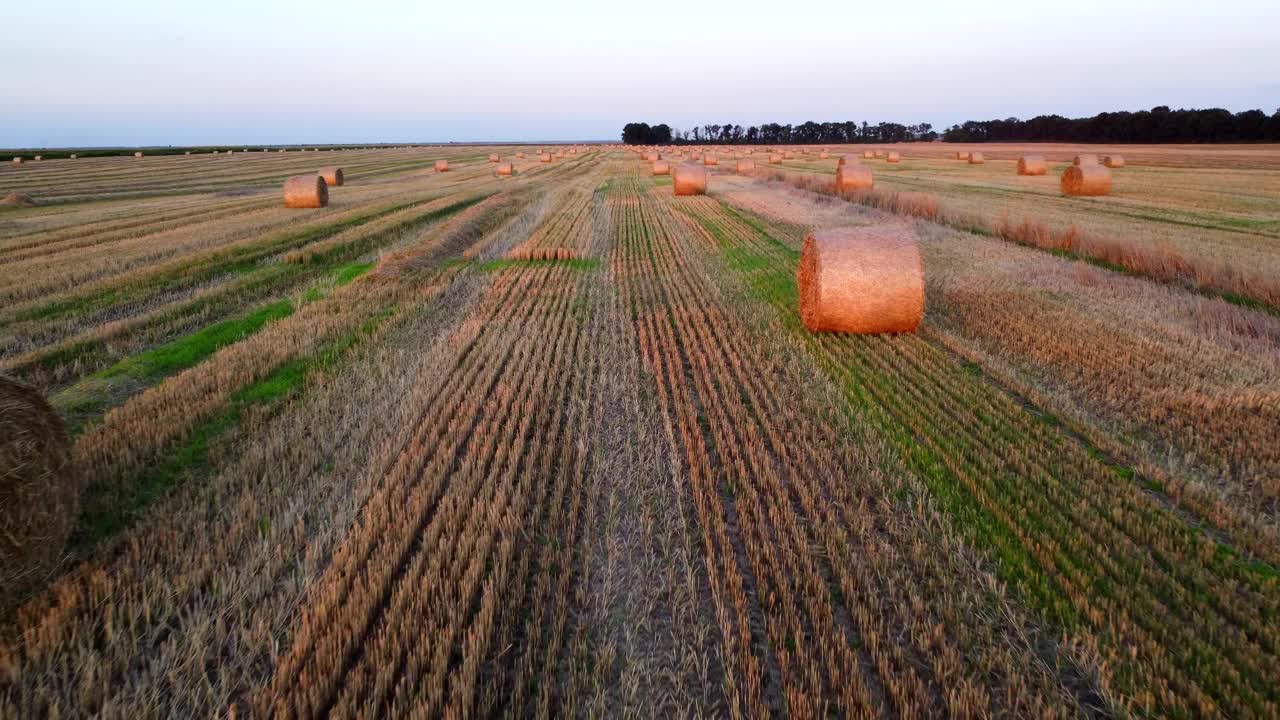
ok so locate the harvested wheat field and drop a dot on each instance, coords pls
(563, 433)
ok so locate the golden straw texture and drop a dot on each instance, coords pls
(861, 280)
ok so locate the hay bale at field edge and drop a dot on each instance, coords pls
(504, 169)
(306, 191)
(893, 156)
(332, 176)
(854, 176)
(975, 158)
(1113, 161)
(864, 280)
(39, 491)
(442, 166)
(689, 179)
(1032, 165)
(1086, 180)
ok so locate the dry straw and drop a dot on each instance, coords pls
(505, 169)
(1089, 180)
(1085, 159)
(868, 155)
(853, 176)
(1032, 165)
(332, 176)
(662, 167)
(710, 159)
(690, 180)
(1113, 161)
(39, 491)
(863, 280)
(775, 159)
(746, 166)
(960, 155)
(306, 191)
(17, 199)
(893, 157)
(544, 157)
(442, 166)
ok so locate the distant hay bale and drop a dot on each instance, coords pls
(38, 158)
(505, 169)
(187, 152)
(975, 158)
(17, 199)
(1088, 180)
(519, 156)
(710, 160)
(72, 156)
(788, 155)
(653, 156)
(690, 180)
(306, 191)
(39, 491)
(961, 155)
(746, 166)
(868, 155)
(853, 176)
(544, 157)
(863, 280)
(847, 160)
(137, 154)
(662, 167)
(332, 176)
(1113, 161)
(17, 159)
(775, 159)
(824, 155)
(893, 157)
(1032, 165)
(442, 166)
(1085, 159)
(494, 158)
(879, 153)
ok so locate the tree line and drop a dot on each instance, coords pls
(1157, 125)
(808, 133)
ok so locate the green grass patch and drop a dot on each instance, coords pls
(505, 263)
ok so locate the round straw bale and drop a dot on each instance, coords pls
(975, 158)
(1085, 159)
(72, 156)
(545, 157)
(868, 155)
(960, 155)
(505, 169)
(710, 159)
(879, 153)
(788, 155)
(442, 166)
(746, 166)
(17, 159)
(1113, 161)
(861, 280)
(690, 179)
(775, 159)
(653, 156)
(1032, 165)
(38, 158)
(824, 155)
(332, 175)
(847, 160)
(494, 158)
(17, 199)
(853, 176)
(893, 157)
(39, 491)
(137, 154)
(306, 191)
(187, 152)
(662, 167)
(1086, 180)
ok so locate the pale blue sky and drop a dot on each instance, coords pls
(140, 72)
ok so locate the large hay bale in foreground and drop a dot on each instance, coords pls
(1113, 161)
(17, 199)
(1085, 159)
(690, 180)
(662, 167)
(306, 191)
(975, 158)
(1032, 165)
(39, 491)
(442, 166)
(853, 176)
(861, 280)
(505, 169)
(746, 166)
(332, 176)
(1087, 180)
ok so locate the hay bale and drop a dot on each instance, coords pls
(505, 169)
(853, 176)
(662, 167)
(653, 156)
(17, 159)
(1032, 165)
(1113, 161)
(868, 155)
(17, 199)
(746, 166)
(690, 180)
(893, 157)
(710, 160)
(961, 155)
(788, 155)
(138, 154)
(306, 191)
(879, 154)
(39, 491)
(332, 176)
(519, 156)
(1085, 159)
(1089, 180)
(72, 156)
(38, 158)
(544, 157)
(824, 155)
(774, 159)
(493, 158)
(442, 166)
(975, 158)
(861, 280)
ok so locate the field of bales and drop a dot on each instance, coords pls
(549, 439)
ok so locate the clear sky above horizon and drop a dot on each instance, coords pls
(148, 72)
